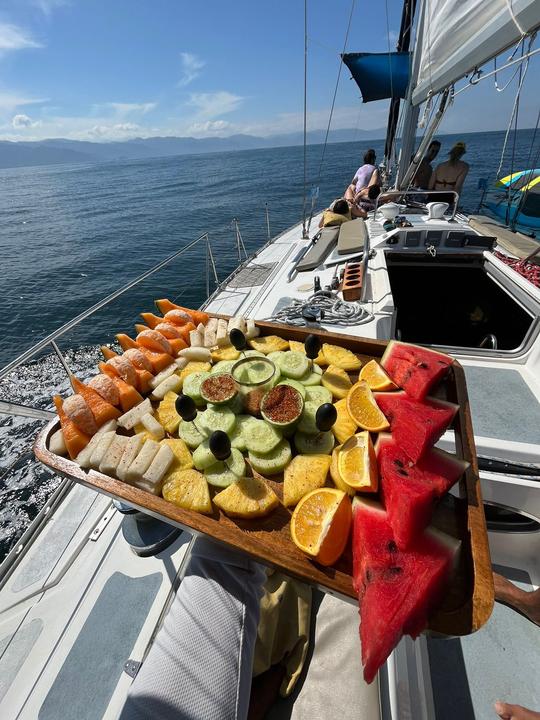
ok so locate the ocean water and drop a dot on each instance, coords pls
(72, 234)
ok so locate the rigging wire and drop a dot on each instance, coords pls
(304, 230)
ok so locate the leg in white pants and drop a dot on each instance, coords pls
(200, 665)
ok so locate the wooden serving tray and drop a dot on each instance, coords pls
(469, 600)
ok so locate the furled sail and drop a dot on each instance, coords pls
(461, 35)
(379, 75)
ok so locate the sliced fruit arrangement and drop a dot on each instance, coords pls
(321, 524)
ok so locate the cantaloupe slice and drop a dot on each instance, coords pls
(143, 377)
(198, 316)
(74, 439)
(107, 352)
(101, 409)
(158, 360)
(128, 394)
(176, 344)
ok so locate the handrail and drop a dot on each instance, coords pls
(86, 313)
(400, 193)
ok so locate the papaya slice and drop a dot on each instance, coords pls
(198, 316)
(101, 409)
(153, 320)
(143, 377)
(74, 438)
(176, 344)
(158, 360)
(107, 352)
(129, 397)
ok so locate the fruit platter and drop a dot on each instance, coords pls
(311, 451)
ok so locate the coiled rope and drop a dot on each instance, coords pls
(327, 306)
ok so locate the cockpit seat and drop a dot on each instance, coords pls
(352, 236)
(321, 249)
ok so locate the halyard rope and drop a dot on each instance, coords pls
(334, 311)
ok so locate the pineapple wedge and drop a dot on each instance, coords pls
(302, 474)
(191, 367)
(344, 427)
(227, 352)
(166, 414)
(183, 459)
(336, 477)
(341, 357)
(269, 343)
(187, 489)
(299, 347)
(337, 381)
(248, 497)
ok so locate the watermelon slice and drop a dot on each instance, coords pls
(397, 590)
(415, 369)
(410, 491)
(416, 426)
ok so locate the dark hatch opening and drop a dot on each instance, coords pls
(453, 304)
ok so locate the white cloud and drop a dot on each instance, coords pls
(15, 38)
(118, 131)
(131, 108)
(212, 105)
(191, 67)
(9, 102)
(23, 121)
(209, 128)
(47, 6)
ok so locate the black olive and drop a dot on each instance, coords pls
(238, 339)
(312, 345)
(185, 407)
(326, 416)
(220, 445)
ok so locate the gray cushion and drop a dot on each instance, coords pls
(517, 244)
(352, 236)
(324, 245)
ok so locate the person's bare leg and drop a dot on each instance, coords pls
(506, 711)
(349, 194)
(527, 603)
(357, 212)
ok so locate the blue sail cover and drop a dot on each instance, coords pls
(379, 75)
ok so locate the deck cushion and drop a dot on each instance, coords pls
(324, 245)
(352, 236)
(517, 244)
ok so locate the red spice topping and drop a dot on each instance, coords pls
(282, 404)
(218, 387)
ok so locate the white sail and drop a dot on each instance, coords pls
(460, 35)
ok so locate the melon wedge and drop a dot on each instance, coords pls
(397, 590)
(101, 409)
(74, 438)
(174, 344)
(198, 316)
(414, 369)
(129, 397)
(158, 360)
(416, 426)
(143, 377)
(410, 491)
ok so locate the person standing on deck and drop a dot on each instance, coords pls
(451, 174)
(424, 172)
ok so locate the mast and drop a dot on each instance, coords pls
(403, 44)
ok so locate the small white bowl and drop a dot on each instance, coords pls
(389, 210)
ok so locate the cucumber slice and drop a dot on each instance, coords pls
(217, 417)
(190, 434)
(253, 353)
(320, 444)
(236, 405)
(307, 421)
(203, 457)
(222, 474)
(295, 384)
(275, 356)
(261, 437)
(318, 394)
(223, 366)
(312, 377)
(273, 462)
(192, 386)
(293, 364)
(238, 439)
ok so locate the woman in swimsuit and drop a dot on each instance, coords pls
(451, 174)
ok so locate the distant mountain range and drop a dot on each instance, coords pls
(55, 151)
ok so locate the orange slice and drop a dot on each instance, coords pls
(364, 410)
(357, 463)
(375, 377)
(321, 524)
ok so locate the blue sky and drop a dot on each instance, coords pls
(116, 69)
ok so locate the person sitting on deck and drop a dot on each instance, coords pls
(366, 175)
(424, 171)
(451, 174)
(336, 214)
